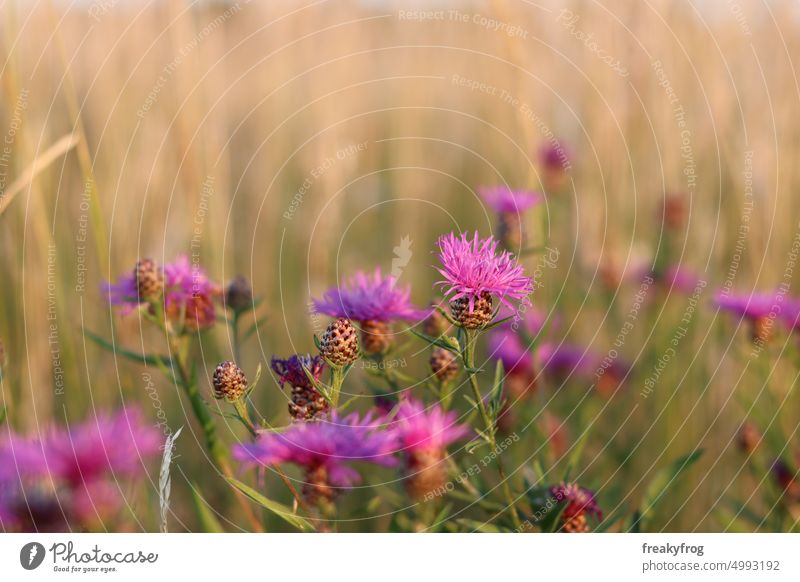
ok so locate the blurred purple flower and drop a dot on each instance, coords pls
(506, 345)
(504, 199)
(579, 503)
(554, 156)
(188, 294)
(328, 444)
(418, 428)
(472, 267)
(370, 298)
(757, 305)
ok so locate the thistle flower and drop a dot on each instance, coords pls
(339, 343)
(758, 309)
(423, 436)
(188, 297)
(375, 302)
(325, 450)
(509, 205)
(444, 364)
(503, 199)
(555, 161)
(473, 272)
(579, 503)
(229, 381)
(49, 480)
(239, 294)
(149, 280)
(306, 403)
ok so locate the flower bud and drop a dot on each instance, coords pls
(230, 382)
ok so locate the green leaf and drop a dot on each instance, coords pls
(474, 525)
(658, 486)
(254, 327)
(279, 509)
(208, 521)
(439, 342)
(147, 359)
(3, 415)
(497, 323)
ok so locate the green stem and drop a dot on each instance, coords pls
(337, 379)
(468, 355)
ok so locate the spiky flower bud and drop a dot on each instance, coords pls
(376, 336)
(435, 324)
(444, 364)
(230, 382)
(339, 343)
(239, 294)
(149, 279)
(481, 311)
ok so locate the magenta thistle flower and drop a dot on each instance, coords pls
(370, 298)
(66, 472)
(473, 267)
(759, 309)
(504, 199)
(754, 306)
(188, 294)
(326, 448)
(420, 429)
(423, 436)
(107, 444)
(579, 502)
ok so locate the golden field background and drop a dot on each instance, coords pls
(160, 128)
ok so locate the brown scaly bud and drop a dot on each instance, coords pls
(444, 364)
(575, 524)
(481, 313)
(426, 473)
(748, 437)
(149, 279)
(376, 336)
(510, 230)
(339, 343)
(239, 294)
(435, 324)
(230, 383)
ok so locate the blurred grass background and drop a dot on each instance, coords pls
(191, 127)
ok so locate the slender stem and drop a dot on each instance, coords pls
(203, 415)
(236, 339)
(337, 379)
(468, 355)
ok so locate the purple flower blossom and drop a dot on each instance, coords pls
(66, 472)
(757, 305)
(506, 345)
(329, 444)
(370, 298)
(420, 429)
(472, 267)
(554, 156)
(290, 371)
(188, 294)
(565, 360)
(504, 199)
(116, 444)
(579, 500)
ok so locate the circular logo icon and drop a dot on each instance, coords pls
(31, 555)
